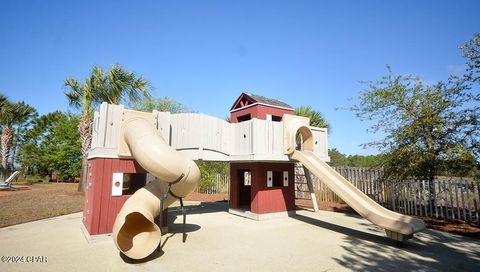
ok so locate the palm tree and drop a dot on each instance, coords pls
(83, 97)
(113, 86)
(316, 118)
(117, 84)
(3, 99)
(12, 114)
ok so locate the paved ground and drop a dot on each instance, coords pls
(219, 241)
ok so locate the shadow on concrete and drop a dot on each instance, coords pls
(156, 254)
(178, 228)
(428, 251)
(173, 229)
(346, 231)
(203, 207)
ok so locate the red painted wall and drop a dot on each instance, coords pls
(263, 198)
(100, 207)
(259, 112)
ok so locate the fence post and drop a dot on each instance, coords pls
(456, 200)
(409, 197)
(432, 202)
(451, 198)
(435, 206)
(443, 202)
(392, 195)
(463, 200)
(475, 200)
(422, 198)
(467, 187)
(415, 185)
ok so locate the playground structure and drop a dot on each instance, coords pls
(140, 163)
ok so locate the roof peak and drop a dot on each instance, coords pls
(255, 98)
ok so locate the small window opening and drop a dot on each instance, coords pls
(244, 118)
(277, 179)
(132, 182)
(276, 118)
(247, 178)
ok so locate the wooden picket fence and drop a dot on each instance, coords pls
(364, 179)
(220, 185)
(446, 198)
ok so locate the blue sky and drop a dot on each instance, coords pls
(205, 53)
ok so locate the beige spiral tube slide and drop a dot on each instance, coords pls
(397, 226)
(135, 232)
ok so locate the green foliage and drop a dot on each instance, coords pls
(64, 147)
(34, 147)
(15, 113)
(471, 52)
(209, 169)
(431, 129)
(3, 100)
(316, 117)
(114, 86)
(148, 104)
(52, 145)
(339, 159)
(425, 125)
(13, 116)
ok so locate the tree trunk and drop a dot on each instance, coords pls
(82, 184)
(14, 146)
(6, 141)
(85, 138)
(14, 153)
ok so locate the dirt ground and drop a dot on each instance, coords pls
(19, 189)
(206, 198)
(38, 201)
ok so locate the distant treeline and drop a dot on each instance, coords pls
(339, 159)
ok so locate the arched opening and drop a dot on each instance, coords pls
(138, 231)
(298, 141)
(304, 139)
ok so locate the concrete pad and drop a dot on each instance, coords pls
(219, 241)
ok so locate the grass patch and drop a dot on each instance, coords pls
(39, 201)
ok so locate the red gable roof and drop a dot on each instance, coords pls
(247, 99)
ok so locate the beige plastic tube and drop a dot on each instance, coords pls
(135, 232)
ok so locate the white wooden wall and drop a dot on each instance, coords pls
(203, 137)
(106, 131)
(320, 141)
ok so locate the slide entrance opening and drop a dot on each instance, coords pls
(304, 139)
